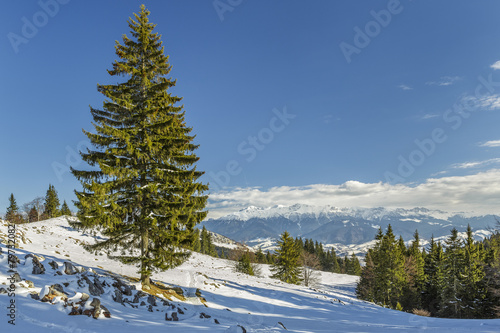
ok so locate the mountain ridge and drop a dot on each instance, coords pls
(342, 226)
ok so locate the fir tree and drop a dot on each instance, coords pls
(366, 288)
(300, 244)
(415, 275)
(260, 256)
(143, 190)
(287, 266)
(353, 265)
(434, 278)
(492, 272)
(51, 203)
(386, 271)
(473, 293)
(244, 265)
(12, 215)
(65, 209)
(269, 258)
(453, 265)
(335, 264)
(196, 245)
(391, 271)
(206, 246)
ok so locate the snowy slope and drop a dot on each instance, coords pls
(256, 303)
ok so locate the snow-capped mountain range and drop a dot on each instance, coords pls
(346, 229)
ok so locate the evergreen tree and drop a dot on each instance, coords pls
(12, 215)
(402, 246)
(299, 243)
(244, 265)
(354, 267)
(366, 288)
(415, 275)
(196, 245)
(143, 191)
(269, 258)
(206, 246)
(65, 209)
(434, 278)
(309, 246)
(51, 203)
(287, 266)
(330, 263)
(387, 271)
(391, 272)
(473, 293)
(451, 306)
(492, 272)
(260, 256)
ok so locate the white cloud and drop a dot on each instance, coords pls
(476, 164)
(444, 81)
(491, 102)
(496, 65)
(405, 87)
(488, 102)
(429, 116)
(493, 143)
(478, 193)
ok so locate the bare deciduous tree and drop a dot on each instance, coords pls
(310, 267)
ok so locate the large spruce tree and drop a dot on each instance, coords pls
(142, 191)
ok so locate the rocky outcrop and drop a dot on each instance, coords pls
(91, 290)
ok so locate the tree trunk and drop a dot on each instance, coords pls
(145, 274)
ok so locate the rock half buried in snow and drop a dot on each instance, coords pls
(53, 291)
(236, 329)
(16, 278)
(54, 265)
(95, 288)
(37, 266)
(69, 268)
(124, 289)
(172, 317)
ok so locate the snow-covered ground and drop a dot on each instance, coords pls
(216, 299)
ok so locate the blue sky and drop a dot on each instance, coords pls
(285, 97)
